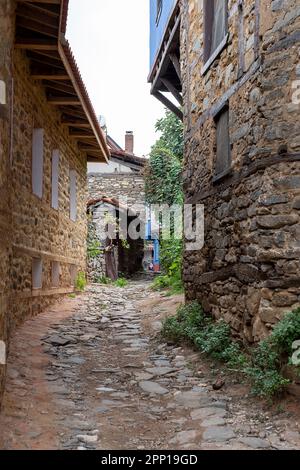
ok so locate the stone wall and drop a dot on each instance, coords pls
(7, 37)
(29, 227)
(39, 231)
(119, 186)
(249, 269)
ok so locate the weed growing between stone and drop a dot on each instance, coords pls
(171, 262)
(80, 282)
(262, 365)
(121, 282)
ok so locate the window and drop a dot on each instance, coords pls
(37, 162)
(223, 154)
(73, 274)
(215, 26)
(2, 92)
(55, 273)
(54, 179)
(73, 195)
(37, 273)
(159, 5)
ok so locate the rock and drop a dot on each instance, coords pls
(210, 412)
(76, 360)
(105, 389)
(153, 387)
(184, 437)
(87, 439)
(213, 421)
(218, 434)
(218, 384)
(255, 442)
(159, 371)
(58, 340)
(193, 399)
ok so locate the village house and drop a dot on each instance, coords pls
(48, 132)
(239, 70)
(119, 189)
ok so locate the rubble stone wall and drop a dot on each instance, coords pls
(249, 269)
(113, 185)
(39, 231)
(7, 37)
(29, 227)
(116, 185)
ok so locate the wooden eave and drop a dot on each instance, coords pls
(165, 74)
(40, 29)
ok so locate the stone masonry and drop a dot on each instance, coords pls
(7, 37)
(249, 269)
(30, 229)
(116, 186)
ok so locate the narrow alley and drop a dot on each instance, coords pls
(94, 373)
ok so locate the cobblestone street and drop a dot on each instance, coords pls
(93, 373)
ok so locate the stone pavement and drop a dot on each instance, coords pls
(92, 373)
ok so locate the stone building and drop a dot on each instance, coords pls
(239, 77)
(119, 189)
(48, 132)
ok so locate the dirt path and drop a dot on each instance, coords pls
(92, 373)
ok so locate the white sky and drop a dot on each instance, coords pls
(110, 41)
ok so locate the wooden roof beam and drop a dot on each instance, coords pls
(80, 125)
(51, 2)
(169, 85)
(36, 44)
(63, 101)
(166, 102)
(37, 27)
(80, 135)
(47, 76)
(39, 15)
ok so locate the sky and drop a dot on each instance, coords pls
(110, 41)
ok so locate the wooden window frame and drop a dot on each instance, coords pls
(228, 170)
(209, 56)
(37, 170)
(159, 8)
(55, 274)
(37, 273)
(73, 176)
(55, 179)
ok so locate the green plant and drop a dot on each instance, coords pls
(125, 244)
(93, 249)
(80, 282)
(121, 282)
(266, 383)
(262, 365)
(171, 261)
(72, 296)
(103, 280)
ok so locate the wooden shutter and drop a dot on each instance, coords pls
(55, 179)
(219, 28)
(37, 273)
(55, 273)
(73, 195)
(37, 162)
(208, 6)
(223, 156)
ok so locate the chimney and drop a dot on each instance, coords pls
(129, 142)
